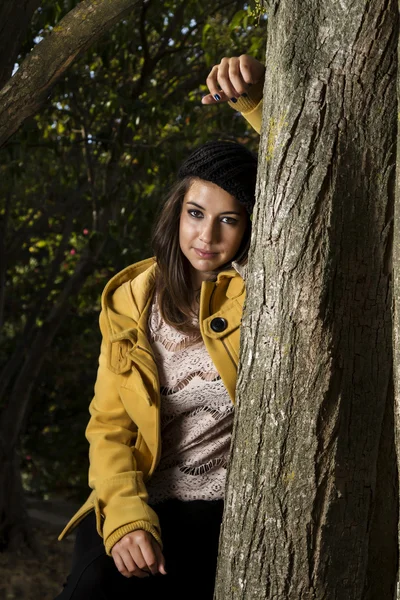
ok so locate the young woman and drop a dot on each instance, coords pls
(162, 413)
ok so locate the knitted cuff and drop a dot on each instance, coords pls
(121, 531)
(254, 95)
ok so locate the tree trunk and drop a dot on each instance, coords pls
(396, 295)
(25, 93)
(311, 502)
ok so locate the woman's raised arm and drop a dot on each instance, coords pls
(238, 80)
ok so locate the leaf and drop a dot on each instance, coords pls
(206, 29)
(238, 19)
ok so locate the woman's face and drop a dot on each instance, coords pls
(211, 228)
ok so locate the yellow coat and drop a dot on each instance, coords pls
(124, 428)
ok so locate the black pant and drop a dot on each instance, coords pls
(190, 532)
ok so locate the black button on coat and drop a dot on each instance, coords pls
(218, 324)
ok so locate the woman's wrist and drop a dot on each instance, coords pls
(122, 531)
(248, 102)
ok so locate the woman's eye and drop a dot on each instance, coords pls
(197, 214)
(229, 220)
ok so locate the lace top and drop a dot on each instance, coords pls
(196, 417)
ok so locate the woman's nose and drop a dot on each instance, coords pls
(208, 233)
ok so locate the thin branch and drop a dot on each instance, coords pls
(142, 29)
(178, 15)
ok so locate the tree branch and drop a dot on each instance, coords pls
(26, 92)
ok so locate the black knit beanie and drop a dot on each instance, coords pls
(228, 164)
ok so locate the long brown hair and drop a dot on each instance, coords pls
(173, 280)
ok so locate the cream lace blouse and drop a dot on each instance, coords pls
(196, 417)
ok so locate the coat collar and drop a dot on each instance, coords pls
(236, 275)
(137, 281)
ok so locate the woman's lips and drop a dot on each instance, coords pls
(205, 254)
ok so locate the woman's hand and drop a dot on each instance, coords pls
(138, 554)
(232, 77)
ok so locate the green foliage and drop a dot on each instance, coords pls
(251, 19)
(93, 167)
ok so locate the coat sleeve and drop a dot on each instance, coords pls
(251, 106)
(120, 491)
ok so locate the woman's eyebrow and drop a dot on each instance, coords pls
(227, 212)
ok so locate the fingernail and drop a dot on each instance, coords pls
(245, 95)
(233, 100)
(217, 97)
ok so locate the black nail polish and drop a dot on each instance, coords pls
(217, 97)
(233, 100)
(245, 95)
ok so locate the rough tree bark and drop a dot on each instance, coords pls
(396, 294)
(26, 92)
(311, 502)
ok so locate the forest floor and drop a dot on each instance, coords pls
(30, 577)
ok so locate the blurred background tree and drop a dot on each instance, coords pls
(81, 183)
